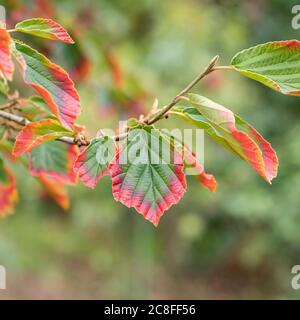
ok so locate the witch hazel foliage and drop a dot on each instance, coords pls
(56, 150)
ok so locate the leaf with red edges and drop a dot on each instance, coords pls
(36, 133)
(51, 81)
(92, 163)
(269, 155)
(274, 64)
(8, 192)
(147, 174)
(55, 159)
(44, 28)
(34, 108)
(56, 190)
(191, 162)
(6, 63)
(235, 134)
(207, 180)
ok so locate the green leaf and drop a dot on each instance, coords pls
(92, 163)
(34, 108)
(51, 81)
(36, 133)
(54, 159)
(233, 133)
(44, 28)
(190, 160)
(192, 115)
(147, 174)
(274, 64)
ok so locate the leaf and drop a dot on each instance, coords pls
(240, 137)
(39, 103)
(56, 190)
(192, 115)
(274, 64)
(207, 180)
(44, 28)
(92, 163)
(4, 89)
(52, 83)
(6, 63)
(190, 160)
(8, 192)
(54, 159)
(143, 176)
(36, 133)
(269, 155)
(34, 108)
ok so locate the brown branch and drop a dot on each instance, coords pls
(23, 122)
(150, 120)
(159, 115)
(70, 140)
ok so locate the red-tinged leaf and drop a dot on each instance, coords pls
(274, 64)
(34, 108)
(269, 155)
(55, 159)
(52, 83)
(190, 160)
(192, 115)
(36, 133)
(8, 193)
(44, 28)
(92, 163)
(236, 135)
(207, 180)
(6, 63)
(143, 177)
(56, 190)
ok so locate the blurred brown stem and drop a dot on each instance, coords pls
(159, 115)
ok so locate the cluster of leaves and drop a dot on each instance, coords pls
(58, 151)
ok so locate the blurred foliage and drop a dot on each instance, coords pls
(240, 242)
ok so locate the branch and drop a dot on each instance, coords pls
(205, 72)
(12, 117)
(156, 117)
(23, 122)
(70, 140)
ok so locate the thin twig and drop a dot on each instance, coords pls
(152, 118)
(70, 140)
(222, 68)
(163, 112)
(13, 117)
(23, 122)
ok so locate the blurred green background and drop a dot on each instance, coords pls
(240, 242)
